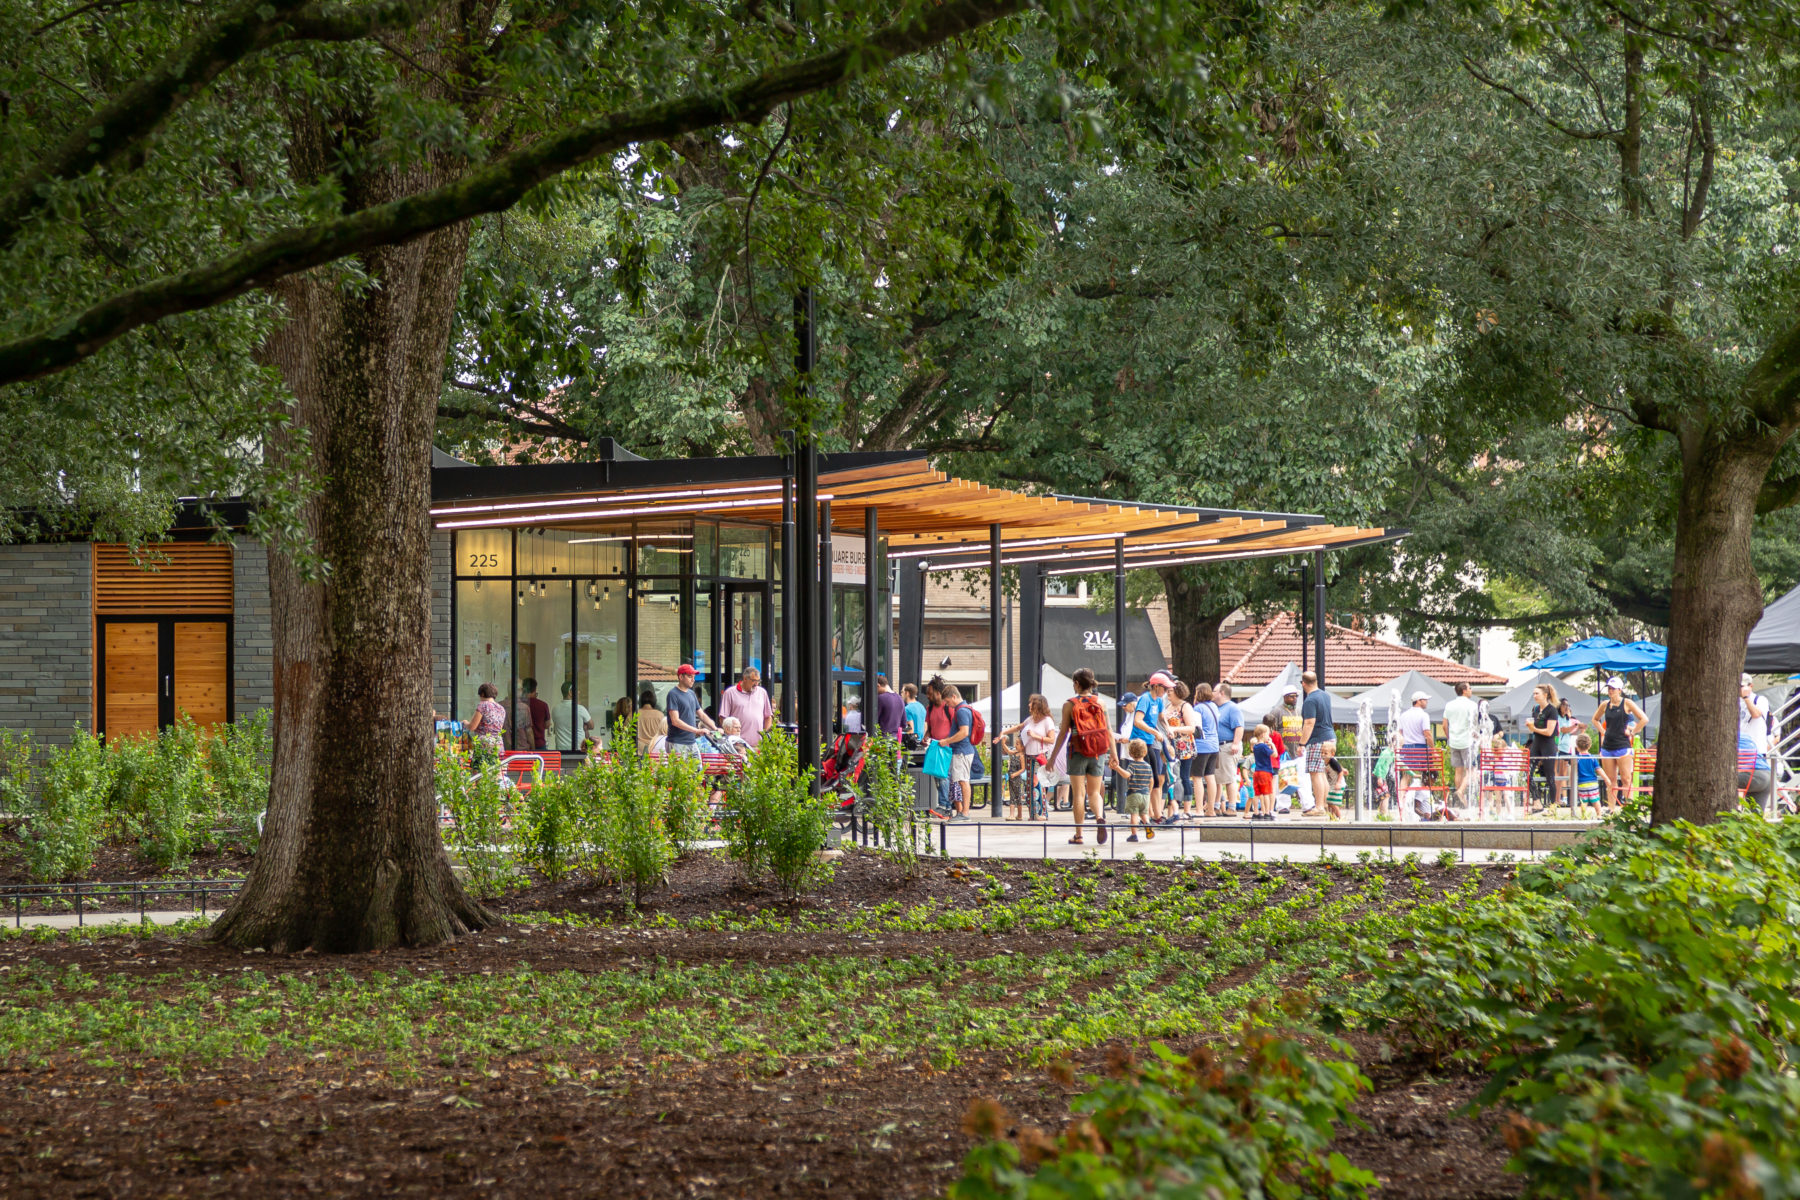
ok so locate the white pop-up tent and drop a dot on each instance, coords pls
(1057, 688)
(1260, 703)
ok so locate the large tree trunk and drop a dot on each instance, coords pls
(1716, 601)
(1194, 621)
(351, 857)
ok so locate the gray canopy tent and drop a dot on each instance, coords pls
(1774, 646)
(1514, 704)
(1343, 712)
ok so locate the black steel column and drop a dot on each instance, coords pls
(1319, 616)
(1119, 617)
(803, 590)
(788, 609)
(827, 624)
(871, 532)
(1031, 630)
(1300, 619)
(908, 663)
(1119, 653)
(996, 672)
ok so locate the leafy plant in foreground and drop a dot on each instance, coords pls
(237, 759)
(1634, 999)
(548, 828)
(175, 803)
(686, 791)
(1253, 1118)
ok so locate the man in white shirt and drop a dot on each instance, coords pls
(1415, 733)
(1459, 733)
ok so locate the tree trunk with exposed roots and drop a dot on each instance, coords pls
(351, 857)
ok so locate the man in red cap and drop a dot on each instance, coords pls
(686, 720)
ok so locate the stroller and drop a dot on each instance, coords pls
(843, 767)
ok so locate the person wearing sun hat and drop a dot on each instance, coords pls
(1148, 727)
(1618, 718)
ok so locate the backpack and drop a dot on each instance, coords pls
(1089, 736)
(977, 726)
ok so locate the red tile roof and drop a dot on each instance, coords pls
(1256, 654)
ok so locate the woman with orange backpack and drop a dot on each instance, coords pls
(1090, 744)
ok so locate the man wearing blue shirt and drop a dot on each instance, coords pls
(914, 711)
(1319, 737)
(1231, 742)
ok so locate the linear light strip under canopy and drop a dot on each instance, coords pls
(604, 514)
(1081, 554)
(677, 494)
(926, 550)
(1198, 558)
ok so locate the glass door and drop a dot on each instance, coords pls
(746, 632)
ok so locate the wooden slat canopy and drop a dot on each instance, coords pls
(922, 512)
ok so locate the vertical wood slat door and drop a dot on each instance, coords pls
(132, 678)
(202, 677)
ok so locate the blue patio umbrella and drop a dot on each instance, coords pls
(1638, 656)
(1589, 652)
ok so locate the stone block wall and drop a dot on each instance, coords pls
(253, 630)
(47, 639)
(441, 651)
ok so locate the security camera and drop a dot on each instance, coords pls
(944, 663)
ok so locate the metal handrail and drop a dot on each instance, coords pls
(138, 890)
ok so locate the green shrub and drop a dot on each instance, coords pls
(773, 823)
(1251, 1119)
(1634, 999)
(175, 798)
(17, 751)
(687, 810)
(891, 810)
(65, 819)
(237, 760)
(479, 805)
(634, 843)
(548, 828)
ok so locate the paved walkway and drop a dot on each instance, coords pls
(70, 920)
(1260, 841)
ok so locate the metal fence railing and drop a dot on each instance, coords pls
(83, 897)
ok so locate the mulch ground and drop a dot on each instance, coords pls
(292, 1126)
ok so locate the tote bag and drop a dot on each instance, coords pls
(937, 761)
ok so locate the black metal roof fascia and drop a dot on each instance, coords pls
(1290, 518)
(552, 479)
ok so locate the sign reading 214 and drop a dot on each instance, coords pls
(1096, 639)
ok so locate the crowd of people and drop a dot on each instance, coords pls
(1175, 753)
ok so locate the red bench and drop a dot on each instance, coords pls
(1507, 772)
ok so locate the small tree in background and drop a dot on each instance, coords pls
(773, 823)
(891, 808)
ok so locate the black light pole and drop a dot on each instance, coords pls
(827, 625)
(1300, 618)
(1319, 616)
(788, 610)
(804, 583)
(871, 534)
(1119, 652)
(1031, 625)
(996, 674)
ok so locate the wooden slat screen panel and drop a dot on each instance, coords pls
(201, 679)
(131, 679)
(189, 577)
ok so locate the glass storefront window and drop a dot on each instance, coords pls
(599, 549)
(546, 649)
(706, 540)
(847, 629)
(743, 552)
(484, 552)
(483, 643)
(600, 677)
(704, 666)
(658, 636)
(665, 547)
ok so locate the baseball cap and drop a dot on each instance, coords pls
(1616, 682)
(1744, 680)
(684, 669)
(1418, 696)
(1128, 698)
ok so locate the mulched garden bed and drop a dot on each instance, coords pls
(290, 1124)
